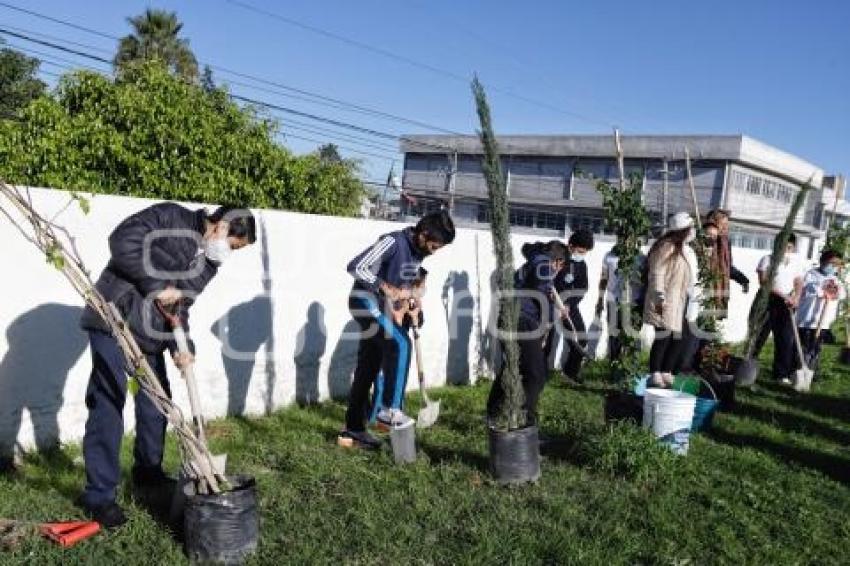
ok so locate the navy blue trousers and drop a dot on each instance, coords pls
(384, 347)
(105, 396)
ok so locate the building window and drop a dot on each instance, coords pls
(521, 217)
(551, 221)
(753, 184)
(484, 213)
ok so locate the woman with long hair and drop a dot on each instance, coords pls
(672, 280)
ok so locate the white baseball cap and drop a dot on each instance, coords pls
(680, 221)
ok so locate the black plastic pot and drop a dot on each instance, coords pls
(747, 372)
(844, 355)
(515, 455)
(623, 406)
(222, 528)
(724, 387)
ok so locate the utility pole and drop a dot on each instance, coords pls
(452, 181)
(664, 192)
(693, 189)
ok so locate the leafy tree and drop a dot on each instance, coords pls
(207, 80)
(156, 36)
(627, 217)
(18, 82)
(147, 133)
(329, 153)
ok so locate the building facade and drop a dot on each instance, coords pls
(552, 182)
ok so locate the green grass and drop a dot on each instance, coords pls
(768, 485)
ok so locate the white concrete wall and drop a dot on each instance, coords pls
(283, 301)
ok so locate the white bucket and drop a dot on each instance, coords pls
(669, 414)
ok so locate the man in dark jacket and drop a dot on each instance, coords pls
(383, 277)
(535, 281)
(571, 284)
(164, 254)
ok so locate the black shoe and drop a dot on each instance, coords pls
(152, 477)
(109, 515)
(362, 439)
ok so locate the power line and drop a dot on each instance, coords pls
(408, 61)
(323, 142)
(58, 21)
(56, 38)
(350, 106)
(45, 57)
(54, 45)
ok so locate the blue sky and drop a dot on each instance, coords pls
(776, 70)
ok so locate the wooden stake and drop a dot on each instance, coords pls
(620, 161)
(693, 189)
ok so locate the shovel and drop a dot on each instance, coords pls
(428, 414)
(559, 304)
(803, 376)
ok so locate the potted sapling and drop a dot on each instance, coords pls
(513, 437)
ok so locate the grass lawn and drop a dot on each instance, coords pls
(770, 484)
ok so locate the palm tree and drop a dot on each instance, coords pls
(155, 36)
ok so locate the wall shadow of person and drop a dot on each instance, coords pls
(310, 345)
(242, 331)
(458, 303)
(491, 349)
(43, 345)
(343, 361)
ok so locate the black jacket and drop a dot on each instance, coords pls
(573, 279)
(143, 263)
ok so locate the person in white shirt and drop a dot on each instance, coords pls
(610, 289)
(822, 290)
(784, 296)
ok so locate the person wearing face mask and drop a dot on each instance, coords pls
(384, 275)
(535, 283)
(818, 309)
(160, 258)
(571, 284)
(784, 295)
(671, 296)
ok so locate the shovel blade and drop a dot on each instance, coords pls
(428, 415)
(803, 380)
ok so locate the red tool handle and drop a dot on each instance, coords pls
(69, 534)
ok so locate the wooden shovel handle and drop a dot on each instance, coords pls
(418, 350)
(821, 317)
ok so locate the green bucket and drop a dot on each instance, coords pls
(687, 384)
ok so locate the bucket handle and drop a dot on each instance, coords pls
(707, 384)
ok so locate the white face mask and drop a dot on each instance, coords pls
(217, 250)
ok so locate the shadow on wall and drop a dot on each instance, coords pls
(310, 346)
(44, 344)
(458, 304)
(490, 347)
(242, 331)
(343, 361)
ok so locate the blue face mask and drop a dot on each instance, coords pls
(577, 257)
(830, 269)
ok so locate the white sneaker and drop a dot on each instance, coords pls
(785, 381)
(393, 418)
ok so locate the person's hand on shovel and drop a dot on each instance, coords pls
(183, 360)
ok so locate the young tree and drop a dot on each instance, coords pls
(510, 414)
(156, 36)
(19, 84)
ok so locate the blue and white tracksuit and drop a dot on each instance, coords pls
(384, 345)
